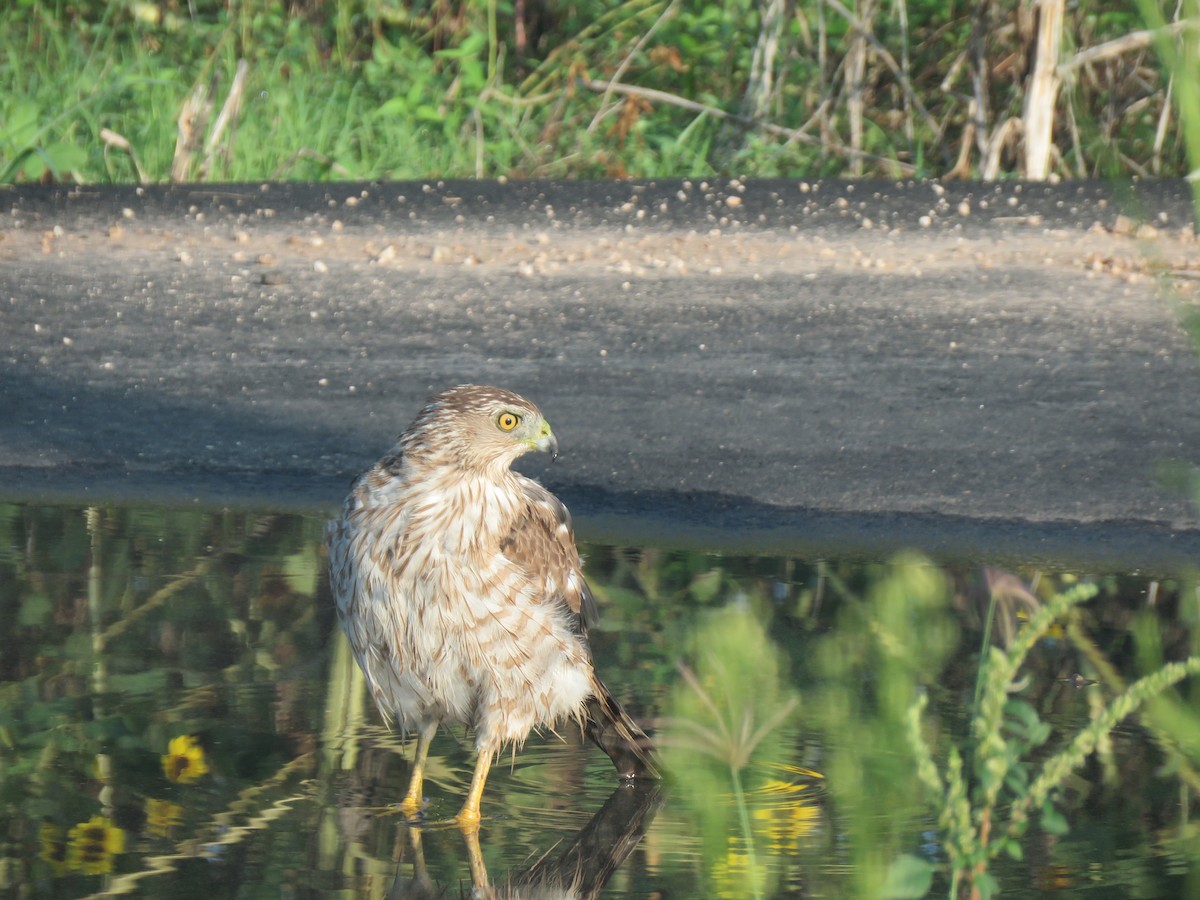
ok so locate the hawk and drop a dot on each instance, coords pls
(460, 588)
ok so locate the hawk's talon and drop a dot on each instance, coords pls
(468, 820)
(411, 807)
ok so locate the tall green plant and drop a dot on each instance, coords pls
(887, 646)
(988, 795)
(728, 713)
(1182, 60)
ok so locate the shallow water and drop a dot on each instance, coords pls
(180, 715)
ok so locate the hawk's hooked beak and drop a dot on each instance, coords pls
(546, 442)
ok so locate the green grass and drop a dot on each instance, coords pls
(402, 89)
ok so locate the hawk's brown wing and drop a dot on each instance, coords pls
(542, 543)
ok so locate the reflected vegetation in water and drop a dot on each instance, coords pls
(180, 715)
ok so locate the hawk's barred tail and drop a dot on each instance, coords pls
(609, 726)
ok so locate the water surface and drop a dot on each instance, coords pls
(180, 716)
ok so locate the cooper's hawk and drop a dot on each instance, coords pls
(459, 586)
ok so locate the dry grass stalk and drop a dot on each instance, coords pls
(119, 142)
(227, 119)
(822, 68)
(1135, 40)
(1160, 132)
(624, 66)
(792, 134)
(862, 27)
(1042, 96)
(856, 73)
(980, 108)
(962, 166)
(1076, 141)
(990, 164)
(910, 132)
(762, 66)
(191, 124)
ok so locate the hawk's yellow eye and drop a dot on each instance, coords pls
(508, 421)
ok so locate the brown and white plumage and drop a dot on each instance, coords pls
(460, 588)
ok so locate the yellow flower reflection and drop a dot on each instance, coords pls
(184, 761)
(784, 825)
(731, 874)
(54, 847)
(92, 846)
(786, 809)
(162, 816)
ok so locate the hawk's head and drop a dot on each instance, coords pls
(477, 427)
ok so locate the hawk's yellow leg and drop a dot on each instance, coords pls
(468, 816)
(415, 796)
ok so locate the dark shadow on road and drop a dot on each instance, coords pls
(91, 444)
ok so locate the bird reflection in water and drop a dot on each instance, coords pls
(581, 869)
